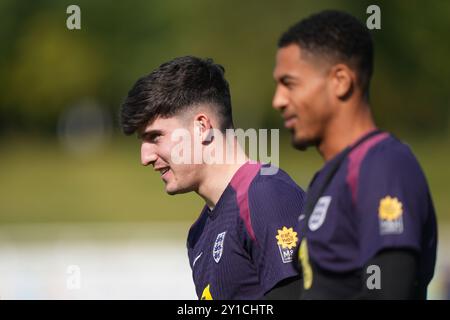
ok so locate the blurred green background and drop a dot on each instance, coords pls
(72, 190)
(47, 71)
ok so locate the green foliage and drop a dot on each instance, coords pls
(46, 67)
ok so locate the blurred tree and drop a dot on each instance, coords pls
(45, 67)
(51, 68)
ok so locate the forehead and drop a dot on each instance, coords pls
(161, 124)
(292, 61)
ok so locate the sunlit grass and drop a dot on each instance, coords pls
(40, 182)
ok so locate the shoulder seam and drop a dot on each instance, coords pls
(356, 158)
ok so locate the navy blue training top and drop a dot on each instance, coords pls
(245, 245)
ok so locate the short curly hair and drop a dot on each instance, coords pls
(174, 87)
(339, 37)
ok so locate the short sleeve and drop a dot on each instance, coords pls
(274, 205)
(392, 202)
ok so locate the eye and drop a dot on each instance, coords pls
(155, 137)
(287, 83)
(152, 137)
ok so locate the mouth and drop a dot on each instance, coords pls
(162, 171)
(289, 121)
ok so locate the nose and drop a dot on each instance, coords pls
(280, 100)
(148, 153)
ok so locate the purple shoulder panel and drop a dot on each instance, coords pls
(241, 182)
(355, 159)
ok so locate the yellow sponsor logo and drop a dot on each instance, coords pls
(390, 209)
(287, 238)
(303, 256)
(206, 295)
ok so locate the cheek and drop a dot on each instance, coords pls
(304, 103)
(184, 172)
(318, 100)
(165, 152)
(311, 108)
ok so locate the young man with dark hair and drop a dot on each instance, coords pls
(368, 229)
(241, 246)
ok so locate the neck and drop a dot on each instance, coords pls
(216, 177)
(345, 130)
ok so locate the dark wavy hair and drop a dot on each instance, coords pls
(173, 88)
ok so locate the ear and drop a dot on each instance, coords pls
(343, 81)
(203, 128)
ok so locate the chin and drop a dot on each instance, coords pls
(173, 191)
(302, 144)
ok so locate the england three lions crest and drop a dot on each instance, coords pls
(218, 246)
